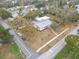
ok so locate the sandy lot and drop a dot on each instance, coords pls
(34, 38)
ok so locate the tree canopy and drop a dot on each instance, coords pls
(72, 40)
(4, 35)
(4, 14)
(31, 14)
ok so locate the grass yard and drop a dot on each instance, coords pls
(10, 51)
(15, 50)
(64, 54)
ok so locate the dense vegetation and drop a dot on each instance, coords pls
(64, 11)
(72, 40)
(4, 35)
(4, 14)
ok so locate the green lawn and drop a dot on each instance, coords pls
(64, 54)
(14, 49)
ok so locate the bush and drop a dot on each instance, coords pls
(4, 14)
(72, 40)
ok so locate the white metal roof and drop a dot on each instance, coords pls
(77, 5)
(42, 18)
(42, 24)
(14, 15)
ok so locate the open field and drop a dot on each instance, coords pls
(10, 51)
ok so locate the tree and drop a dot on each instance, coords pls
(72, 40)
(4, 14)
(68, 15)
(3, 5)
(4, 35)
(31, 14)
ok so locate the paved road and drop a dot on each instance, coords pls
(51, 53)
(24, 47)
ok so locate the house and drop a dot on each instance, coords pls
(13, 11)
(19, 10)
(42, 23)
(77, 8)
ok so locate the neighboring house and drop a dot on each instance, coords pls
(77, 8)
(42, 23)
(20, 10)
(14, 12)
